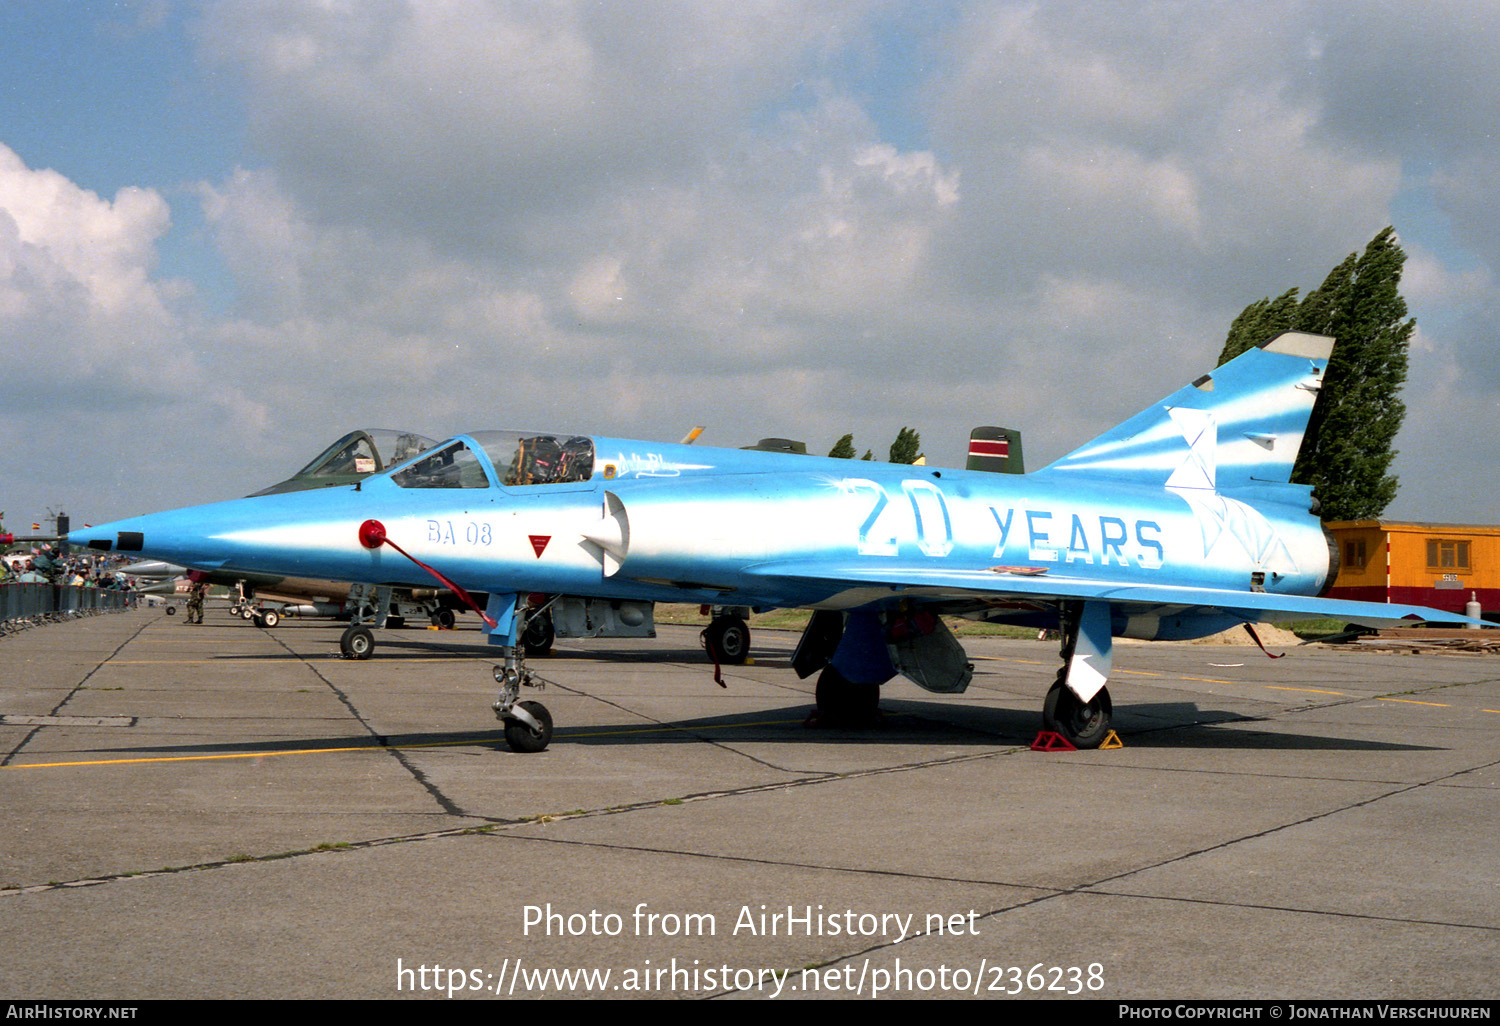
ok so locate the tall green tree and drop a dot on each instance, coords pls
(907, 447)
(1347, 452)
(1258, 322)
(843, 449)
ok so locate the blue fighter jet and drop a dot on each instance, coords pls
(1179, 523)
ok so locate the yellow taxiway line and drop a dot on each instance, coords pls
(368, 748)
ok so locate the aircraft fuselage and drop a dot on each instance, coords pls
(662, 522)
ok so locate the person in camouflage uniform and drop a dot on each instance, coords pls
(195, 602)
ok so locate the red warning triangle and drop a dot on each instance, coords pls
(539, 543)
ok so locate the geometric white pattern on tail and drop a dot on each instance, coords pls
(1202, 435)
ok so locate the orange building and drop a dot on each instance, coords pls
(1437, 565)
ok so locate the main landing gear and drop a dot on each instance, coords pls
(1085, 654)
(844, 703)
(1082, 724)
(727, 638)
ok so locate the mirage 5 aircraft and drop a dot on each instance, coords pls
(1179, 523)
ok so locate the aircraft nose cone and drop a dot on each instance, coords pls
(107, 540)
(209, 536)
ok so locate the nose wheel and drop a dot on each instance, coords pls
(531, 734)
(528, 725)
(357, 642)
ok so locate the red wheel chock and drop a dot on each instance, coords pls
(1051, 741)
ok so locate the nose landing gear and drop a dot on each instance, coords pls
(528, 725)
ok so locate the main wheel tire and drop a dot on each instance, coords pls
(1083, 724)
(843, 703)
(728, 640)
(537, 640)
(171, 610)
(522, 737)
(444, 618)
(357, 642)
(269, 618)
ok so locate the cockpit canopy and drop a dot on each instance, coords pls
(358, 454)
(519, 458)
(367, 451)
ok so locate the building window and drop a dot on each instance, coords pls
(1447, 554)
(1354, 554)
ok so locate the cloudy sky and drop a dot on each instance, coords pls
(230, 231)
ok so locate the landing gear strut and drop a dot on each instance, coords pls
(528, 725)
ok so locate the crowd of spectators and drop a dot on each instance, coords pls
(40, 586)
(43, 565)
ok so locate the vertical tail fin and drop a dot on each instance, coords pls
(1236, 429)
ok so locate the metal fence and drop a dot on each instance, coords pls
(24, 604)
